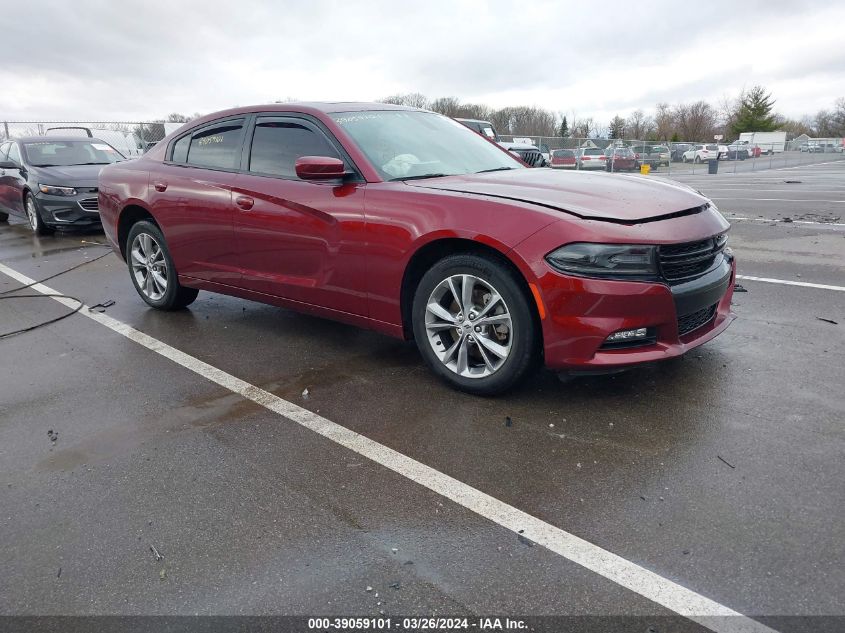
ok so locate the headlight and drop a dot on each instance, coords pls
(57, 191)
(605, 260)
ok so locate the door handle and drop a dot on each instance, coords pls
(160, 186)
(244, 202)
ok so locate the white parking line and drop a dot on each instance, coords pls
(779, 200)
(738, 218)
(787, 282)
(623, 572)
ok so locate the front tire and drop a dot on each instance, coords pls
(152, 271)
(473, 324)
(697, 159)
(34, 217)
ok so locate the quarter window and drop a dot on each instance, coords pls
(277, 144)
(4, 150)
(180, 149)
(217, 147)
(15, 153)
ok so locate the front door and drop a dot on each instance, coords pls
(299, 240)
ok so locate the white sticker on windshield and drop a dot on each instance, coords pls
(102, 147)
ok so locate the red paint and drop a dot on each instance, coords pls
(341, 250)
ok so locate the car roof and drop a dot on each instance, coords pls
(302, 107)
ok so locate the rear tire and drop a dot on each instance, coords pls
(482, 340)
(33, 215)
(698, 159)
(152, 271)
(4, 217)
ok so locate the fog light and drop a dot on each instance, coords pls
(627, 335)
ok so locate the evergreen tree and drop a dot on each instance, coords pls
(755, 112)
(617, 127)
(564, 128)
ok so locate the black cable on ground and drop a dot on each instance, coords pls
(3, 295)
(43, 323)
(67, 270)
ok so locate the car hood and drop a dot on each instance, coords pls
(70, 176)
(605, 197)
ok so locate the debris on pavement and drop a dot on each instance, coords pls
(827, 320)
(508, 421)
(787, 219)
(155, 552)
(739, 288)
(101, 307)
(725, 461)
(53, 435)
(162, 575)
(305, 393)
(369, 588)
(59, 573)
(395, 585)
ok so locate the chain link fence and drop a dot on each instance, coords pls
(130, 138)
(688, 157)
(133, 138)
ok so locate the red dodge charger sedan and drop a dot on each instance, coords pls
(407, 222)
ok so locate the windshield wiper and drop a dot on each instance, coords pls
(97, 163)
(487, 171)
(419, 177)
(45, 165)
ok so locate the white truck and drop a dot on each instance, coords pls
(768, 142)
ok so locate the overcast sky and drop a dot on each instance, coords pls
(121, 60)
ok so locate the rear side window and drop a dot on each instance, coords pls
(4, 150)
(593, 152)
(277, 144)
(712, 147)
(215, 147)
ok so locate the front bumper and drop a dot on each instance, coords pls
(79, 210)
(581, 313)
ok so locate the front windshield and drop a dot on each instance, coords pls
(404, 144)
(65, 153)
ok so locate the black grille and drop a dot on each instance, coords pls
(531, 156)
(695, 320)
(89, 204)
(682, 262)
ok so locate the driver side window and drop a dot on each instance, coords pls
(276, 144)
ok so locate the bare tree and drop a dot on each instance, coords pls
(583, 128)
(664, 121)
(639, 125)
(447, 106)
(412, 99)
(696, 121)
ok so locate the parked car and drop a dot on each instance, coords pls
(736, 151)
(676, 152)
(590, 158)
(125, 142)
(52, 180)
(437, 236)
(652, 155)
(621, 159)
(699, 153)
(563, 159)
(524, 149)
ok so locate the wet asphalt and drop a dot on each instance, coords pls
(721, 471)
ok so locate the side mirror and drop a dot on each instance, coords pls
(9, 164)
(319, 168)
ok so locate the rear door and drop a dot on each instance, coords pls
(191, 195)
(300, 240)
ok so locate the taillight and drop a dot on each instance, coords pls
(585, 158)
(601, 158)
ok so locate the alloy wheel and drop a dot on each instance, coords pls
(149, 266)
(31, 214)
(469, 326)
